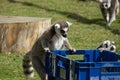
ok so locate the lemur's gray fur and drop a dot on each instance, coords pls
(109, 9)
(107, 45)
(53, 39)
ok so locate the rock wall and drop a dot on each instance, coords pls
(18, 34)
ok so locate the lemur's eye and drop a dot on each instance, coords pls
(112, 48)
(62, 31)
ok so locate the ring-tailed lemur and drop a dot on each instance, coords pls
(107, 45)
(109, 9)
(53, 39)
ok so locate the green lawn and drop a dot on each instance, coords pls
(87, 31)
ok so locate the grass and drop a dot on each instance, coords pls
(11, 67)
(87, 32)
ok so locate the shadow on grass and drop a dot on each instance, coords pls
(115, 31)
(71, 15)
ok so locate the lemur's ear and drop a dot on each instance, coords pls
(57, 26)
(69, 23)
(101, 0)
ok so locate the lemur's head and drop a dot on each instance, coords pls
(107, 45)
(61, 27)
(105, 4)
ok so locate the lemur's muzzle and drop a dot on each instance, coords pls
(64, 35)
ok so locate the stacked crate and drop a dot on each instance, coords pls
(95, 65)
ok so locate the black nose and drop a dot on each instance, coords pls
(106, 5)
(64, 35)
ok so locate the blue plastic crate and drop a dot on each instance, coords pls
(94, 66)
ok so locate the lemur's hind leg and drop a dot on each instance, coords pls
(39, 67)
(112, 18)
(117, 10)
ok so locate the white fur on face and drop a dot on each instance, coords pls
(65, 29)
(107, 42)
(105, 3)
(57, 29)
(107, 45)
(57, 26)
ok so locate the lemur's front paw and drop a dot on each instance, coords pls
(47, 49)
(73, 50)
(101, 49)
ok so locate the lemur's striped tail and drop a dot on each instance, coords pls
(27, 66)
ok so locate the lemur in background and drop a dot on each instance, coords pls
(107, 45)
(109, 9)
(53, 39)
